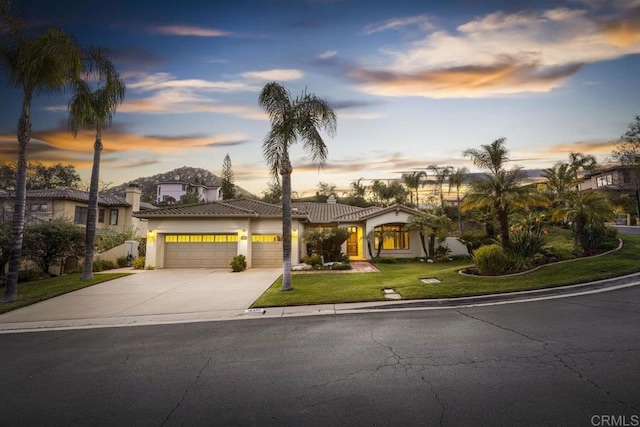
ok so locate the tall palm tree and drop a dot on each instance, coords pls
(38, 63)
(500, 188)
(560, 179)
(441, 172)
(358, 189)
(428, 224)
(413, 180)
(93, 109)
(293, 119)
(456, 178)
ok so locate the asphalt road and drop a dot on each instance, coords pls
(629, 230)
(569, 361)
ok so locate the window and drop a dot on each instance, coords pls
(113, 217)
(184, 187)
(603, 181)
(626, 177)
(100, 215)
(80, 215)
(44, 207)
(266, 238)
(395, 237)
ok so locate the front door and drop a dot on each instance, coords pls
(352, 242)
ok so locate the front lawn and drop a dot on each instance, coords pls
(331, 288)
(40, 290)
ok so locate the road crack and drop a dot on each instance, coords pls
(186, 391)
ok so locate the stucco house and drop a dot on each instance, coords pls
(171, 192)
(211, 234)
(70, 203)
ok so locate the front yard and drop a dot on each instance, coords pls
(404, 279)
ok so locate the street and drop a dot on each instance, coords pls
(566, 361)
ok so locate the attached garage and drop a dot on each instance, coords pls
(266, 250)
(199, 250)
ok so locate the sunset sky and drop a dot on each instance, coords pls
(413, 82)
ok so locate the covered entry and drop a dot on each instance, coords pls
(266, 250)
(199, 250)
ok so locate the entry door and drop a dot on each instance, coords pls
(352, 242)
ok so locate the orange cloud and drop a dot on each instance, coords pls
(623, 33)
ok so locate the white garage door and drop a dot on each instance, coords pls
(199, 250)
(266, 250)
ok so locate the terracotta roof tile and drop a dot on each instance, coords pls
(220, 208)
(75, 195)
(320, 213)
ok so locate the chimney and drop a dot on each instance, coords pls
(331, 200)
(132, 195)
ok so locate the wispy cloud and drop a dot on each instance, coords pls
(185, 30)
(422, 21)
(279, 74)
(500, 53)
(327, 54)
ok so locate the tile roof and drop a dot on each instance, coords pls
(75, 195)
(357, 215)
(220, 208)
(324, 212)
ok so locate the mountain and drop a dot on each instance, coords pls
(186, 174)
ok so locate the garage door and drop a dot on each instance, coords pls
(266, 250)
(199, 250)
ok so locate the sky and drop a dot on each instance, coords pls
(413, 83)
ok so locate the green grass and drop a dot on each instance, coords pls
(330, 288)
(40, 290)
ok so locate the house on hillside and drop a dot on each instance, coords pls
(171, 191)
(209, 235)
(113, 211)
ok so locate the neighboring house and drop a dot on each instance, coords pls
(171, 192)
(211, 234)
(113, 211)
(611, 178)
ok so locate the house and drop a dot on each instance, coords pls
(611, 178)
(113, 211)
(171, 192)
(211, 234)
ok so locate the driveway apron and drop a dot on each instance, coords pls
(152, 296)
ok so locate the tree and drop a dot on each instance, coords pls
(5, 245)
(563, 178)
(388, 194)
(273, 193)
(37, 62)
(48, 241)
(291, 120)
(93, 109)
(377, 235)
(430, 225)
(500, 188)
(627, 153)
(191, 196)
(413, 181)
(441, 174)
(39, 176)
(456, 178)
(228, 188)
(356, 195)
(325, 190)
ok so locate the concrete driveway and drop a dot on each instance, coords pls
(149, 296)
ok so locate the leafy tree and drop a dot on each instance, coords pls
(191, 196)
(48, 241)
(228, 188)
(36, 61)
(293, 119)
(356, 194)
(273, 193)
(441, 174)
(429, 225)
(325, 190)
(563, 178)
(93, 109)
(456, 178)
(627, 153)
(111, 237)
(327, 243)
(413, 181)
(585, 210)
(388, 194)
(5, 245)
(499, 188)
(39, 176)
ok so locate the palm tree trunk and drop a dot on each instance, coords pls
(503, 220)
(92, 211)
(285, 171)
(417, 201)
(459, 214)
(424, 246)
(432, 244)
(17, 228)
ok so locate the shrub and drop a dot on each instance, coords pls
(490, 260)
(525, 243)
(138, 263)
(121, 261)
(30, 275)
(442, 254)
(313, 260)
(239, 263)
(110, 237)
(386, 260)
(340, 266)
(592, 238)
(103, 264)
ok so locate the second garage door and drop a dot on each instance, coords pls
(199, 250)
(266, 250)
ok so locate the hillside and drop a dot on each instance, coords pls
(187, 174)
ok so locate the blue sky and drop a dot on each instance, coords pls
(413, 83)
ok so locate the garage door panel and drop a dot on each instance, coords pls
(199, 254)
(266, 251)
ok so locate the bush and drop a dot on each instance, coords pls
(30, 275)
(110, 237)
(490, 260)
(525, 243)
(138, 263)
(121, 261)
(442, 254)
(386, 260)
(592, 238)
(340, 266)
(103, 265)
(314, 260)
(239, 263)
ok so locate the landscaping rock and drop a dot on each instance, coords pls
(301, 267)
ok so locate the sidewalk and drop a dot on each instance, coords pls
(165, 309)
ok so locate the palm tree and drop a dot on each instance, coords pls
(38, 63)
(456, 178)
(293, 119)
(441, 172)
(358, 189)
(94, 109)
(585, 208)
(428, 224)
(500, 188)
(413, 181)
(377, 234)
(560, 179)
